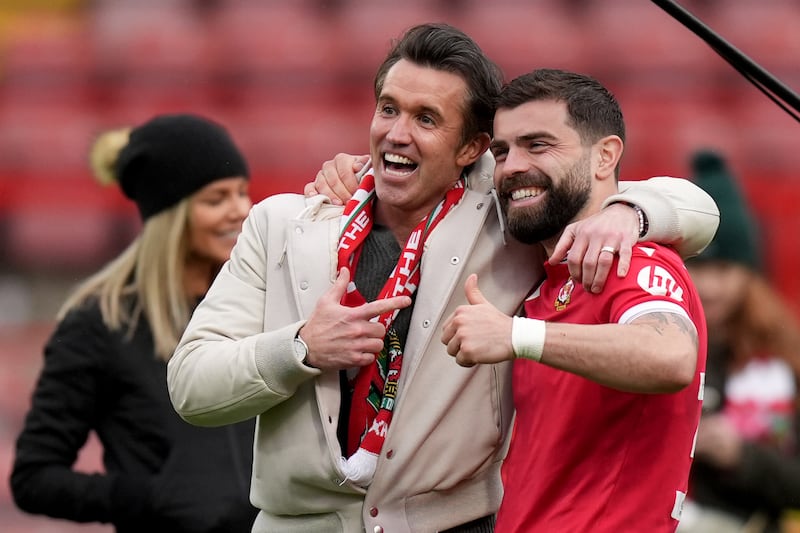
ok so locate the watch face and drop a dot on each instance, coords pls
(300, 348)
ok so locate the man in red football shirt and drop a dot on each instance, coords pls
(608, 386)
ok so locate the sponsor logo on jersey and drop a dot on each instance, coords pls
(659, 282)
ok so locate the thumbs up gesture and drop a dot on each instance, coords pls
(477, 332)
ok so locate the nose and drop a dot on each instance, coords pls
(400, 131)
(240, 207)
(515, 162)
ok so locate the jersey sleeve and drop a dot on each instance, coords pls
(657, 281)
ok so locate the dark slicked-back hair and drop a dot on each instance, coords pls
(593, 111)
(443, 47)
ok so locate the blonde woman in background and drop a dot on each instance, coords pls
(105, 364)
(746, 472)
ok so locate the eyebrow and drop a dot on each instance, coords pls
(525, 138)
(497, 144)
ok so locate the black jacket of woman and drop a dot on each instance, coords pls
(161, 473)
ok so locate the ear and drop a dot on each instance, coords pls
(608, 152)
(472, 150)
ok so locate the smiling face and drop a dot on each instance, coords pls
(416, 141)
(216, 214)
(543, 173)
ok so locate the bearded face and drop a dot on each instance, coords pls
(562, 199)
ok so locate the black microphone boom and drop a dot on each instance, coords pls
(776, 91)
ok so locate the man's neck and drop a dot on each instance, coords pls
(400, 223)
(550, 244)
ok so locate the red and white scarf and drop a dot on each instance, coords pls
(375, 386)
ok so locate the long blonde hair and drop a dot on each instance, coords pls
(145, 279)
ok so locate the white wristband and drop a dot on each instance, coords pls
(527, 338)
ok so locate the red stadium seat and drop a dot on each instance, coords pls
(45, 139)
(68, 226)
(267, 40)
(53, 51)
(768, 32)
(149, 39)
(662, 132)
(522, 36)
(366, 30)
(294, 140)
(639, 38)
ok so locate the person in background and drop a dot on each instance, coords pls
(105, 363)
(746, 472)
(367, 424)
(606, 386)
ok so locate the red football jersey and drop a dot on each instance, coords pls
(586, 457)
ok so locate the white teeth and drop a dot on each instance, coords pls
(399, 159)
(519, 194)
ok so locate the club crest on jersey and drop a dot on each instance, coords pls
(659, 282)
(564, 295)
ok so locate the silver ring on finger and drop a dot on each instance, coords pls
(609, 249)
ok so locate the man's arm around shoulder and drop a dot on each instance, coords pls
(677, 211)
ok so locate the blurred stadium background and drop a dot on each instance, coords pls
(292, 80)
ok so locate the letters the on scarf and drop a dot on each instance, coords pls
(375, 386)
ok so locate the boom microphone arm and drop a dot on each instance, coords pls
(776, 91)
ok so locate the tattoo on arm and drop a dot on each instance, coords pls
(660, 322)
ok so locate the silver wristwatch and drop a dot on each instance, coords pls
(300, 348)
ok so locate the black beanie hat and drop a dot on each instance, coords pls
(172, 156)
(736, 239)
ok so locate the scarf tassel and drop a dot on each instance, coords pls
(360, 467)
